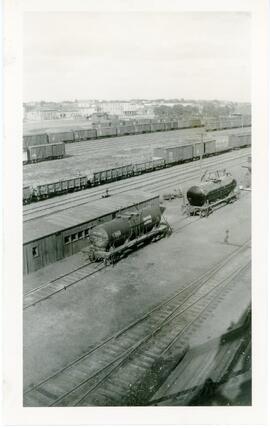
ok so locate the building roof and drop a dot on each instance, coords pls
(40, 227)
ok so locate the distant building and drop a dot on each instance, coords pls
(42, 114)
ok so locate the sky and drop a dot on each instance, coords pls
(201, 55)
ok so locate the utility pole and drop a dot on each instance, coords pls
(201, 154)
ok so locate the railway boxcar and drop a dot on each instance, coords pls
(39, 152)
(45, 152)
(187, 152)
(156, 126)
(183, 123)
(27, 194)
(162, 126)
(125, 130)
(222, 144)
(209, 148)
(174, 124)
(34, 140)
(213, 124)
(57, 137)
(110, 131)
(246, 120)
(239, 140)
(175, 154)
(198, 150)
(85, 134)
(167, 126)
(141, 128)
(25, 156)
(195, 123)
(58, 150)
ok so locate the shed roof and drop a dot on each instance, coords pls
(39, 228)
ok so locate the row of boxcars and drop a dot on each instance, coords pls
(43, 152)
(111, 131)
(163, 158)
(216, 124)
(72, 136)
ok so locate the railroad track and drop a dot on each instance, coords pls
(95, 147)
(62, 282)
(40, 206)
(171, 176)
(109, 373)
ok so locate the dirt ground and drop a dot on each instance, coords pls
(60, 329)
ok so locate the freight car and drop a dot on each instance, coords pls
(215, 124)
(27, 194)
(185, 153)
(142, 128)
(109, 131)
(44, 152)
(44, 191)
(34, 140)
(163, 158)
(113, 239)
(131, 129)
(215, 188)
(84, 134)
(110, 175)
(71, 136)
(57, 137)
(239, 141)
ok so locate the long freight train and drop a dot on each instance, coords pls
(72, 136)
(164, 158)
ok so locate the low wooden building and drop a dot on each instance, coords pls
(63, 234)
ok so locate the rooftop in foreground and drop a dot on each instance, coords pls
(65, 219)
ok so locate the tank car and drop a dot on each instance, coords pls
(214, 189)
(110, 240)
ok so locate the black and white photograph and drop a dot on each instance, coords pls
(137, 142)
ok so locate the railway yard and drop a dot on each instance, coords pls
(159, 317)
(87, 157)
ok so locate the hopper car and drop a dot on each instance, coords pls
(113, 239)
(163, 158)
(44, 191)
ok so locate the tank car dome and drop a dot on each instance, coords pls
(196, 196)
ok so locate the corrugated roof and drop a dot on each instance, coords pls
(38, 228)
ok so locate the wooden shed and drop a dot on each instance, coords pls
(63, 234)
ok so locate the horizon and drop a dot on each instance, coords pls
(137, 99)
